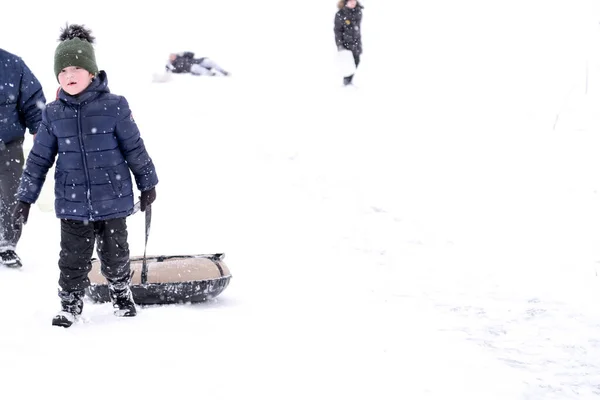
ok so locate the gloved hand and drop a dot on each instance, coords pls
(20, 214)
(147, 198)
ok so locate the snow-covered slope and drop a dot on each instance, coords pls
(430, 235)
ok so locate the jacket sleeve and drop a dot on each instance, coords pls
(39, 161)
(338, 29)
(31, 100)
(133, 149)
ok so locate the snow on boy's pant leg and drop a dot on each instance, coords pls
(113, 250)
(11, 168)
(76, 248)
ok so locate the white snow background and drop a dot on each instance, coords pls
(433, 233)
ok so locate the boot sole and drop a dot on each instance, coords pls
(13, 265)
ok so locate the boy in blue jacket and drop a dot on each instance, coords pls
(97, 143)
(21, 103)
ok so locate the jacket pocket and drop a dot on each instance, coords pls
(60, 181)
(116, 181)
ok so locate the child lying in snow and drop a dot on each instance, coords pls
(186, 63)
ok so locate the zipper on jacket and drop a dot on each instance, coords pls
(84, 159)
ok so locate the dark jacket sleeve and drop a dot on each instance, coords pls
(31, 100)
(338, 29)
(39, 161)
(133, 149)
(188, 54)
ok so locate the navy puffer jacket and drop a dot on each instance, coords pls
(346, 27)
(21, 98)
(97, 143)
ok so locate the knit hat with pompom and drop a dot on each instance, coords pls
(75, 50)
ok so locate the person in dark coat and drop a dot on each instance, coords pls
(94, 135)
(185, 62)
(21, 103)
(347, 30)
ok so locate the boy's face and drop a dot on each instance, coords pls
(351, 3)
(74, 80)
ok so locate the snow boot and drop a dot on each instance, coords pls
(72, 306)
(122, 300)
(10, 259)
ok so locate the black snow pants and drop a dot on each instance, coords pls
(11, 168)
(356, 55)
(77, 247)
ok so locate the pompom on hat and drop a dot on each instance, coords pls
(75, 50)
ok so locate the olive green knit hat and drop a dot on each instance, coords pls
(75, 50)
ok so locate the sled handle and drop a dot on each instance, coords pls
(136, 208)
(144, 276)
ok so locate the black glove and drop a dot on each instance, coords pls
(20, 214)
(147, 198)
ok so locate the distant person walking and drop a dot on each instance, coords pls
(21, 103)
(347, 31)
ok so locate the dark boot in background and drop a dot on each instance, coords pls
(348, 80)
(10, 259)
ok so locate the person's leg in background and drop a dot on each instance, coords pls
(11, 168)
(197, 69)
(213, 66)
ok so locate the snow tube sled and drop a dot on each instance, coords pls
(169, 279)
(166, 279)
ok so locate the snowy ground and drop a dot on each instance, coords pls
(433, 234)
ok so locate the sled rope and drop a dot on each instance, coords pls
(144, 277)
